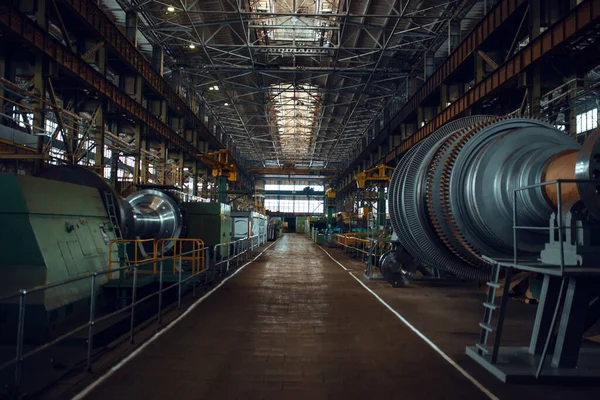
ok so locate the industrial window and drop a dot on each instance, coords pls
(272, 205)
(286, 187)
(50, 127)
(56, 154)
(315, 207)
(291, 205)
(301, 206)
(587, 121)
(297, 186)
(108, 155)
(286, 206)
(24, 120)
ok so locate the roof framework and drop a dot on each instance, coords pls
(297, 82)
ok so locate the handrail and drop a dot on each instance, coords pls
(349, 244)
(23, 293)
(178, 244)
(559, 220)
(242, 247)
(136, 252)
(235, 249)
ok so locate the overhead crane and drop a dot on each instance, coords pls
(291, 170)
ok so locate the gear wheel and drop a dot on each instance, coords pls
(456, 147)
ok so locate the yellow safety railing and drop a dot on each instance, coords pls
(138, 257)
(184, 249)
(356, 246)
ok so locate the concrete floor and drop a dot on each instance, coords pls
(294, 324)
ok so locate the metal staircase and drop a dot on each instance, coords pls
(114, 221)
(490, 306)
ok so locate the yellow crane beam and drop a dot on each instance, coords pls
(221, 164)
(380, 173)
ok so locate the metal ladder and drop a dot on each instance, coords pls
(490, 306)
(112, 216)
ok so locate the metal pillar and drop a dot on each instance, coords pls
(158, 57)
(411, 86)
(545, 311)
(381, 207)
(99, 140)
(138, 155)
(453, 35)
(114, 165)
(176, 81)
(131, 27)
(571, 111)
(222, 187)
(429, 67)
(478, 68)
(534, 88)
(572, 322)
(535, 18)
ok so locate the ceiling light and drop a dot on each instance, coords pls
(192, 46)
(225, 104)
(171, 9)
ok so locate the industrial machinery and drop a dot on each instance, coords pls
(59, 225)
(223, 168)
(378, 176)
(145, 214)
(242, 220)
(330, 195)
(484, 193)
(451, 195)
(49, 231)
(210, 222)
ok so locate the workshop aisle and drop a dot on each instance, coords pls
(292, 325)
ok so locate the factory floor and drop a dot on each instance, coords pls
(296, 325)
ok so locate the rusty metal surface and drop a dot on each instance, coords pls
(492, 21)
(116, 40)
(478, 35)
(19, 26)
(584, 17)
(291, 325)
(580, 20)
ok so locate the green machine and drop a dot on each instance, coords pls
(49, 231)
(210, 222)
(240, 220)
(300, 224)
(259, 224)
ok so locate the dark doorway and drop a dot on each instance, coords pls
(291, 224)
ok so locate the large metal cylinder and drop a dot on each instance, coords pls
(156, 215)
(451, 195)
(146, 214)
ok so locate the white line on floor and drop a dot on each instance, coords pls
(422, 336)
(137, 351)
